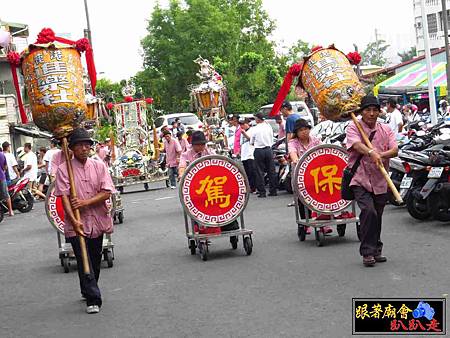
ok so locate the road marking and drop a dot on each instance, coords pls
(164, 198)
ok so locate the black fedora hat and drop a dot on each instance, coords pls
(79, 135)
(301, 123)
(198, 138)
(368, 101)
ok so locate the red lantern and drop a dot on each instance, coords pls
(149, 100)
(128, 99)
(109, 105)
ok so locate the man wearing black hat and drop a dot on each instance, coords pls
(368, 184)
(93, 187)
(197, 150)
(262, 140)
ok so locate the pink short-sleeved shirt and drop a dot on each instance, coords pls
(368, 175)
(237, 141)
(57, 159)
(191, 155)
(282, 130)
(184, 145)
(90, 179)
(173, 150)
(296, 146)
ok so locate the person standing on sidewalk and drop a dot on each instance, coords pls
(368, 184)
(49, 156)
(13, 172)
(4, 195)
(262, 140)
(247, 153)
(237, 136)
(94, 187)
(173, 151)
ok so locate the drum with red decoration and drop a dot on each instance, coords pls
(318, 176)
(214, 190)
(55, 209)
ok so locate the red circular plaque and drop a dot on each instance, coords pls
(318, 177)
(214, 190)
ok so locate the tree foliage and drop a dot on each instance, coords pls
(232, 34)
(408, 54)
(110, 91)
(374, 53)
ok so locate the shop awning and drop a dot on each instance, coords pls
(33, 132)
(414, 79)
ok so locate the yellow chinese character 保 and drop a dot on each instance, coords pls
(403, 311)
(330, 182)
(390, 312)
(214, 191)
(361, 312)
(376, 311)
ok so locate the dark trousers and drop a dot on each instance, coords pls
(88, 284)
(372, 207)
(250, 170)
(264, 164)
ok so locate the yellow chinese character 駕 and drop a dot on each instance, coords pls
(329, 182)
(361, 312)
(404, 310)
(390, 312)
(376, 311)
(214, 191)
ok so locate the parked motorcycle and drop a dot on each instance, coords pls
(282, 166)
(21, 198)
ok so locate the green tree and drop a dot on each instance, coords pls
(110, 91)
(232, 34)
(374, 53)
(298, 51)
(408, 54)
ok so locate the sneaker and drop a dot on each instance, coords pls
(369, 261)
(93, 309)
(173, 187)
(380, 258)
(292, 204)
(261, 195)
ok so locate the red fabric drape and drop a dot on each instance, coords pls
(23, 115)
(293, 72)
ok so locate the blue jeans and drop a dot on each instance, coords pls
(173, 174)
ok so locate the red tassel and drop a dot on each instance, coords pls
(91, 68)
(23, 115)
(293, 72)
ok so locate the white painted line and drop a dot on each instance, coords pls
(164, 198)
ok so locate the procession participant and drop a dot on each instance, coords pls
(247, 153)
(183, 142)
(172, 148)
(49, 156)
(180, 125)
(368, 184)
(42, 172)
(394, 117)
(94, 187)
(281, 127)
(30, 169)
(11, 161)
(290, 117)
(237, 135)
(298, 145)
(4, 195)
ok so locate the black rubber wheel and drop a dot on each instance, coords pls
(120, 189)
(114, 218)
(30, 202)
(234, 242)
(66, 264)
(248, 245)
(202, 248)
(120, 217)
(438, 206)
(320, 237)
(417, 208)
(301, 232)
(146, 186)
(109, 258)
(341, 230)
(192, 247)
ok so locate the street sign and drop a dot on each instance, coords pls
(318, 176)
(214, 190)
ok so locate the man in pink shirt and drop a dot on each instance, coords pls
(237, 135)
(197, 150)
(368, 184)
(173, 150)
(281, 127)
(94, 187)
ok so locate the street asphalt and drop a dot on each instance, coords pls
(286, 288)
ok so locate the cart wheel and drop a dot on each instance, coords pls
(301, 232)
(114, 218)
(248, 245)
(66, 264)
(146, 186)
(341, 230)
(120, 217)
(192, 246)
(234, 242)
(120, 189)
(203, 248)
(109, 258)
(320, 237)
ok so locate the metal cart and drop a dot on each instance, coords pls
(202, 241)
(340, 223)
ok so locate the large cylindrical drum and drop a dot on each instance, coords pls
(54, 82)
(330, 79)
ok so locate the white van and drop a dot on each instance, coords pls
(298, 107)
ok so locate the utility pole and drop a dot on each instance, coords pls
(376, 44)
(358, 70)
(87, 31)
(431, 96)
(445, 21)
